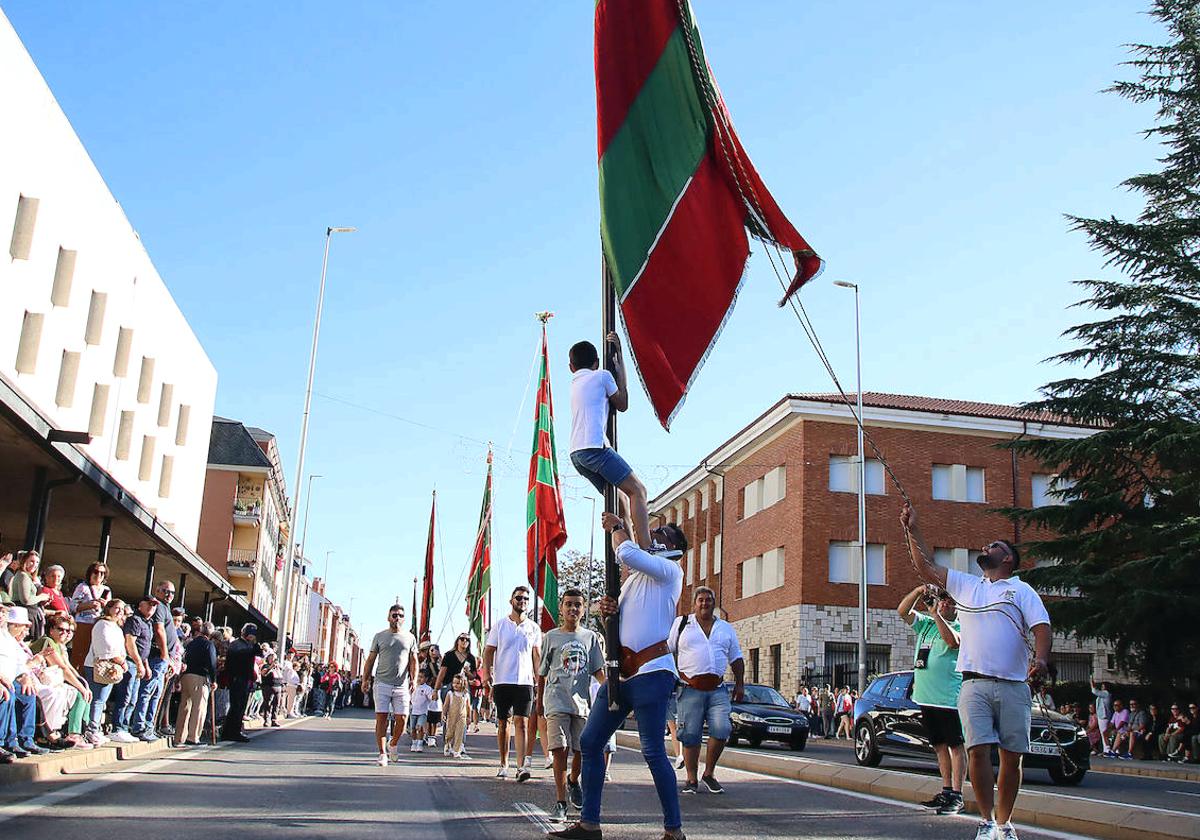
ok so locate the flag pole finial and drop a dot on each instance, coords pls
(543, 316)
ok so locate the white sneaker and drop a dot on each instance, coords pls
(92, 738)
(122, 737)
(461, 754)
(1006, 831)
(415, 747)
(549, 762)
(502, 773)
(986, 830)
(393, 752)
(446, 750)
(382, 760)
(679, 762)
(431, 741)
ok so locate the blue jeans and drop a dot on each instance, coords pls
(696, 707)
(125, 698)
(647, 696)
(100, 694)
(148, 695)
(18, 714)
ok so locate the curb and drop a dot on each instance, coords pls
(1148, 771)
(1091, 818)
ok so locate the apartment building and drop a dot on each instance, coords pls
(772, 519)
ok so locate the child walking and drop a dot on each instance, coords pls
(420, 711)
(457, 710)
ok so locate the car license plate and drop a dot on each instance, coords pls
(779, 730)
(1044, 749)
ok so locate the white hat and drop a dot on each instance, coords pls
(18, 615)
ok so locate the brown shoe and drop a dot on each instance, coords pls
(669, 836)
(576, 831)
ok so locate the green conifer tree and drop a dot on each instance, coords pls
(1124, 542)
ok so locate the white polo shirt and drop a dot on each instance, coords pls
(514, 643)
(649, 597)
(700, 654)
(990, 642)
(590, 390)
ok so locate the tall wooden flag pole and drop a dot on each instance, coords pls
(414, 610)
(546, 527)
(612, 574)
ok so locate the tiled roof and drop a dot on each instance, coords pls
(936, 405)
(232, 444)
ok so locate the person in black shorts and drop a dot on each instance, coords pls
(510, 660)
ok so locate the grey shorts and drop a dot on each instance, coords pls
(564, 731)
(996, 712)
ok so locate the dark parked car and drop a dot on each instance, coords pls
(763, 715)
(888, 722)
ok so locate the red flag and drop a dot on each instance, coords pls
(427, 590)
(677, 194)
(546, 526)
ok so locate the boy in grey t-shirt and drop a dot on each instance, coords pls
(570, 658)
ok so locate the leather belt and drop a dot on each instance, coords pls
(632, 661)
(702, 682)
(975, 675)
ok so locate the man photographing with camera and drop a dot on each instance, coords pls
(995, 704)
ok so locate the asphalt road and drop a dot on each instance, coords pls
(317, 779)
(1105, 787)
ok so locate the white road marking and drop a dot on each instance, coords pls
(535, 815)
(1183, 793)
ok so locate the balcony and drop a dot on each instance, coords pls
(243, 559)
(247, 512)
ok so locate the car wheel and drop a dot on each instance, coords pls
(733, 739)
(754, 741)
(866, 753)
(1061, 777)
(798, 744)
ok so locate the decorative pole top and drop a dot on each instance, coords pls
(543, 316)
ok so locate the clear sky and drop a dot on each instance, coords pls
(928, 153)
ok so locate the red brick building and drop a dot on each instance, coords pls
(772, 519)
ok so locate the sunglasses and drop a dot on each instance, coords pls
(520, 597)
(999, 545)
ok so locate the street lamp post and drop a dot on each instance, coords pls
(285, 612)
(862, 497)
(325, 577)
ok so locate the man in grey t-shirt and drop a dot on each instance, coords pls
(394, 651)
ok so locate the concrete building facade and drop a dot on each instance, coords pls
(772, 519)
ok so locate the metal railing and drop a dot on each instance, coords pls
(243, 558)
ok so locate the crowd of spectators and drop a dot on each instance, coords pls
(830, 711)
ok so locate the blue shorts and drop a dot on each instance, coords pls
(420, 720)
(602, 467)
(697, 707)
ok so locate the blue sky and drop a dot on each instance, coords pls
(928, 153)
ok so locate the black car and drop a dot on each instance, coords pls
(763, 715)
(888, 722)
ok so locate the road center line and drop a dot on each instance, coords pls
(1184, 793)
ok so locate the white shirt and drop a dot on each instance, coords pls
(108, 642)
(590, 390)
(700, 654)
(993, 642)
(803, 702)
(649, 597)
(13, 657)
(514, 643)
(421, 698)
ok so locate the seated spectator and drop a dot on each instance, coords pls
(87, 601)
(1170, 743)
(1118, 726)
(24, 591)
(106, 657)
(52, 588)
(1147, 745)
(1136, 731)
(1093, 731)
(70, 686)
(18, 688)
(10, 564)
(1191, 731)
(199, 674)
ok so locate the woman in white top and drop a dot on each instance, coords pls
(87, 601)
(108, 643)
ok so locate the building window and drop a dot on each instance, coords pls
(716, 563)
(23, 225)
(145, 380)
(1111, 662)
(165, 397)
(1070, 667)
(763, 492)
(959, 559)
(1048, 489)
(99, 415)
(844, 563)
(146, 464)
(762, 573)
(64, 275)
(958, 483)
(124, 345)
(841, 662)
(691, 566)
(94, 330)
(703, 560)
(30, 341)
(754, 665)
(181, 425)
(843, 475)
(776, 666)
(164, 476)
(124, 435)
(68, 372)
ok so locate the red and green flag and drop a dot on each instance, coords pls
(677, 194)
(546, 527)
(427, 584)
(479, 582)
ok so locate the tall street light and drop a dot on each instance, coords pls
(307, 505)
(862, 497)
(285, 612)
(325, 578)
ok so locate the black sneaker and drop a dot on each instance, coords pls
(559, 814)
(690, 787)
(523, 774)
(711, 784)
(954, 805)
(575, 794)
(938, 801)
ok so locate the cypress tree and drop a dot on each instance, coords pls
(1123, 541)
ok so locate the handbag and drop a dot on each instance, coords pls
(108, 671)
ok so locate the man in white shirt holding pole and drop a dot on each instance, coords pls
(995, 703)
(705, 647)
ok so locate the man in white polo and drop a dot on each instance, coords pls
(704, 647)
(995, 703)
(511, 658)
(394, 650)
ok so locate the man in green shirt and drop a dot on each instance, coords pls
(931, 613)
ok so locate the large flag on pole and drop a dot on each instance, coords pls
(479, 582)
(427, 584)
(677, 194)
(546, 527)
